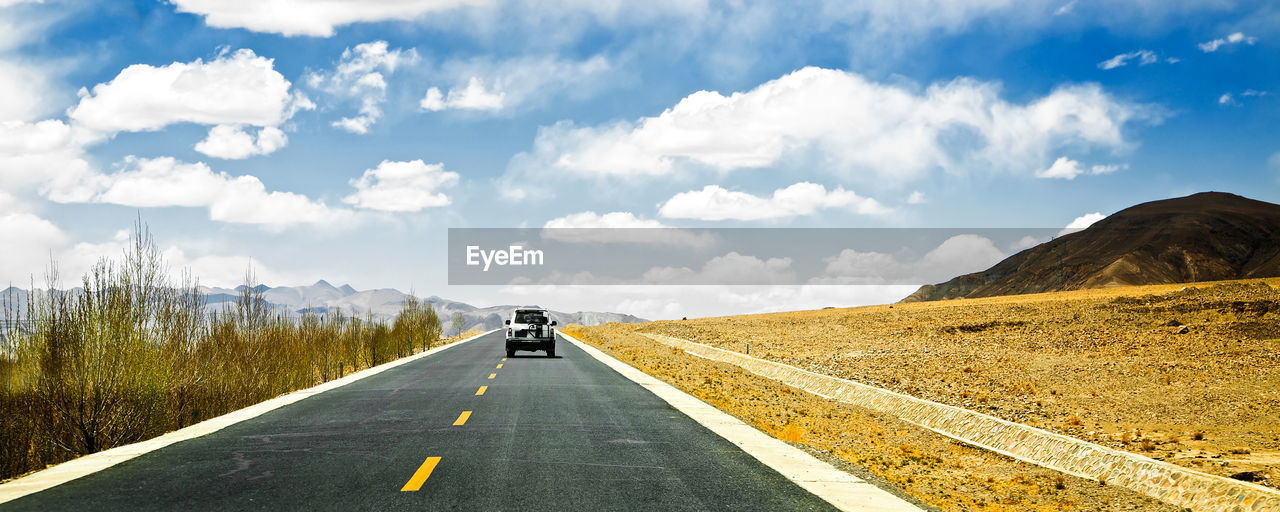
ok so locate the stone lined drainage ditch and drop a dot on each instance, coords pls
(1166, 482)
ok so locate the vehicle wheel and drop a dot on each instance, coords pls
(551, 351)
(511, 353)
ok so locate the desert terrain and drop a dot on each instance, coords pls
(1189, 374)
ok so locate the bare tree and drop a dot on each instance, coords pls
(97, 367)
(458, 323)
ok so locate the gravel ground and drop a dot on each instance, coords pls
(1185, 373)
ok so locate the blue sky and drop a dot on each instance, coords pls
(221, 123)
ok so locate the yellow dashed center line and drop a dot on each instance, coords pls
(462, 418)
(481, 390)
(420, 476)
(499, 365)
(504, 359)
(492, 375)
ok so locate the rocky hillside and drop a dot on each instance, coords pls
(1208, 236)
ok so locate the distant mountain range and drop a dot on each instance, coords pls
(1208, 236)
(383, 303)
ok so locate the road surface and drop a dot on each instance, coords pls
(566, 433)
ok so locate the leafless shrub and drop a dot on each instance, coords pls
(131, 355)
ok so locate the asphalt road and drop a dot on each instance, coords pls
(566, 433)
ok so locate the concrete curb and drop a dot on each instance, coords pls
(1161, 480)
(92, 463)
(844, 491)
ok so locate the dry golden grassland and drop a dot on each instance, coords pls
(459, 337)
(1184, 373)
(929, 467)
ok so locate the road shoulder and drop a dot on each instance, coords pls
(837, 487)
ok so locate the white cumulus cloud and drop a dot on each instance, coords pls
(45, 155)
(1234, 38)
(1064, 168)
(1082, 222)
(25, 241)
(236, 88)
(17, 137)
(30, 242)
(165, 181)
(402, 187)
(231, 142)
(359, 76)
(853, 124)
(716, 203)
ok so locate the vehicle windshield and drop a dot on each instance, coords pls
(530, 317)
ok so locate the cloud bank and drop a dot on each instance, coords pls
(849, 124)
(166, 181)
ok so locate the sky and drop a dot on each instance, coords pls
(340, 140)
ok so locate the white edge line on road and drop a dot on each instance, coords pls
(841, 489)
(92, 463)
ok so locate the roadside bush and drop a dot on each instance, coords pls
(130, 355)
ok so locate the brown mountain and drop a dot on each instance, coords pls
(1203, 237)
